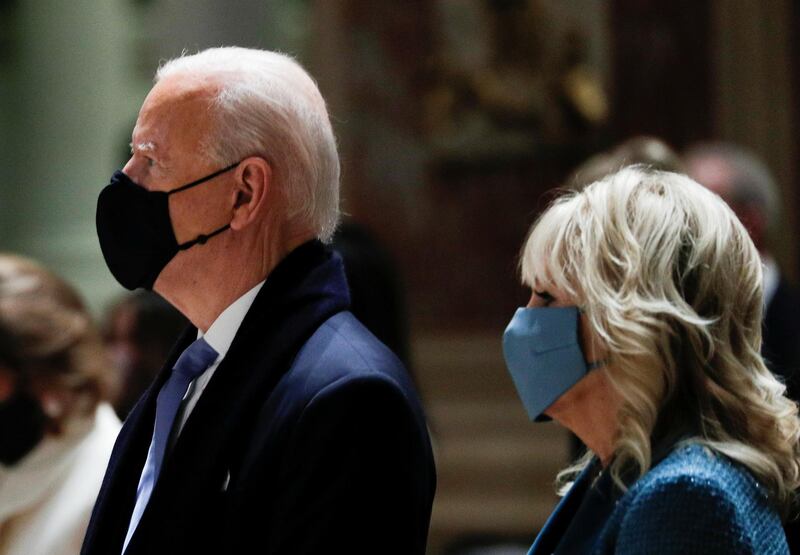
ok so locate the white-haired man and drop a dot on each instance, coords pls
(279, 424)
(738, 176)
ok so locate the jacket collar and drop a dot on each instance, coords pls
(578, 520)
(562, 517)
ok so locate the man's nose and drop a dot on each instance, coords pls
(133, 169)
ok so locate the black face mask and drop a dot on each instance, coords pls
(135, 229)
(21, 426)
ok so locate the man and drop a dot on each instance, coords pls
(279, 425)
(745, 183)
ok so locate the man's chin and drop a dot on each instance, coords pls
(175, 276)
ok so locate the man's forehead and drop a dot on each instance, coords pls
(174, 108)
(172, 96)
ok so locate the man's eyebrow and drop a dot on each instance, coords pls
(148, 147)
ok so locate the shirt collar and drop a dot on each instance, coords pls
(222, 331)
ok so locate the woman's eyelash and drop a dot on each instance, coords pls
(544, 295)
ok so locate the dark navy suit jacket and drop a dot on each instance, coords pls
(781, 338)
(309, 438)
(691, 501)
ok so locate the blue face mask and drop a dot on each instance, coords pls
(544, 356)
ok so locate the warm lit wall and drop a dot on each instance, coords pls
(754, 98)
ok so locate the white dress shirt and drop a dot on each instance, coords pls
(220, 336)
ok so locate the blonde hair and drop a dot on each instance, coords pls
(672, 285)
(48, 338)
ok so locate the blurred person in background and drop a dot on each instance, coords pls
(642, 337)
(279, 423)
(746, 184)
(56, 432)
(376, 292)
(641, 150)
(140, 330)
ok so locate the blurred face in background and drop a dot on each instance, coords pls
(139, 332)
(6, 384)
(716, 175)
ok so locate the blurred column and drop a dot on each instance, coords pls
(73, 74)
(62, 90)
(8, 47)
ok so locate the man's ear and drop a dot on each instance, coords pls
(253, 187)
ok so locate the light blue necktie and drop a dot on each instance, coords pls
(193, 361)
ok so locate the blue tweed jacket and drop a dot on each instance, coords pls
(691, 501)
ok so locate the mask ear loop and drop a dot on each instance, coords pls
(203, 179)
(202, 238)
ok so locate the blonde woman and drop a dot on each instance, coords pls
(642, 337)
(56, 432)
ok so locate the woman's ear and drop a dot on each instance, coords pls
(594, 351)
(253, 187)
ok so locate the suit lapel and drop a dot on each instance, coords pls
(591, 516)
(112, 511)
(579, 521)
(553, 530)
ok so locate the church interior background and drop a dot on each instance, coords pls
(454, 118)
